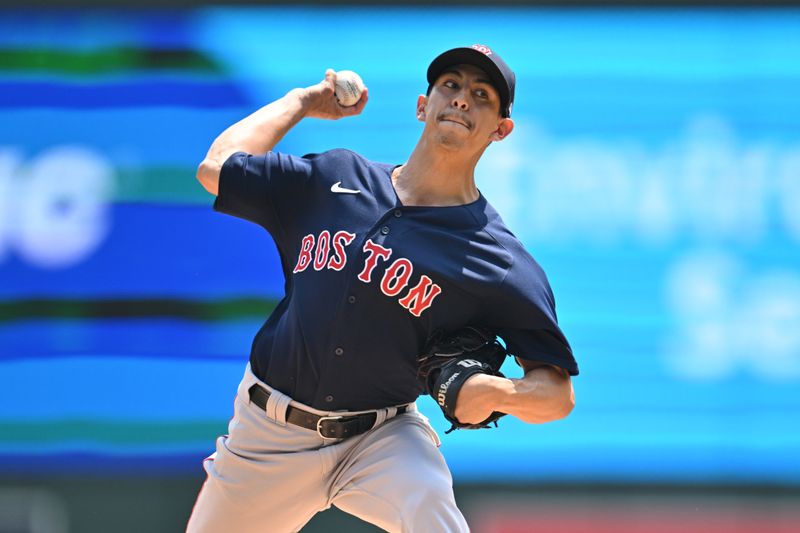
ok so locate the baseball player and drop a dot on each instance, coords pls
(380, 261)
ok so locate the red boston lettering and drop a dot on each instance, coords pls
(375, 251)
(339, 257)
(304, 259)
(396, 277)
(323, 249)
(420, 297)
(326, 251)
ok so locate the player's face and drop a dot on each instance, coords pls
(463, 109)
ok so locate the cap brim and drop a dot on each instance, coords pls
(470, 56)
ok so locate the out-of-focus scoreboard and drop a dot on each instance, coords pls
(654, 172)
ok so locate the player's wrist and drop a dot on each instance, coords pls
(504, 394)
(492, 391)
(299, 101)
(318, 100)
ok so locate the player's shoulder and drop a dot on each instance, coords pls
(522, 261)
(351, 170)
(342, 157)
(498, 230)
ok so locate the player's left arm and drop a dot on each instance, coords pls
(543, 394)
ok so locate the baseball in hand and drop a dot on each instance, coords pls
(348, 88)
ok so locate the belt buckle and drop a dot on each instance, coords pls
(321, 420)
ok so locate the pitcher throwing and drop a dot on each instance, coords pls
(398, 278)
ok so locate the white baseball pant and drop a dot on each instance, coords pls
(268, 476)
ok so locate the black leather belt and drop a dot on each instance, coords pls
(329, 427)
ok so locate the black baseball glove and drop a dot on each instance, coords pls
(449, 360)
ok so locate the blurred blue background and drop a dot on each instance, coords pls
(654, 172)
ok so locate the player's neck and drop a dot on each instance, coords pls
(436, 177)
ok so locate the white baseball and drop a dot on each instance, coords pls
(348, 87)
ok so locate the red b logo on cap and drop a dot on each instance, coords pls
(482, 49)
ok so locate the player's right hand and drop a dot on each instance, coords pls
(319, 101)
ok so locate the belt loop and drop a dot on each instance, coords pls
(380, 417)
(276, 406)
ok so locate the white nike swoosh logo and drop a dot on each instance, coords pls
(336, 188)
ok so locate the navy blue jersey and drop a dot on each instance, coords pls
(368, 280)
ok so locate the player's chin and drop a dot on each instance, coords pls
(453, 133)
(451, 140)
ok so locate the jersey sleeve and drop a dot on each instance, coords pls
(524, 315)
(251, 186)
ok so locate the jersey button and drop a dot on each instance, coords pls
(338, 351)
(329, 398)
(398, 213)
(351, 299)
(385, 230)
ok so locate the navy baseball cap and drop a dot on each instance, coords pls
(484, 58)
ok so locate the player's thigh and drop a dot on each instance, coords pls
(397, 479)
(264, 477)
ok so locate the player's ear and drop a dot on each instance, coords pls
(422, 101)
(504, 129)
